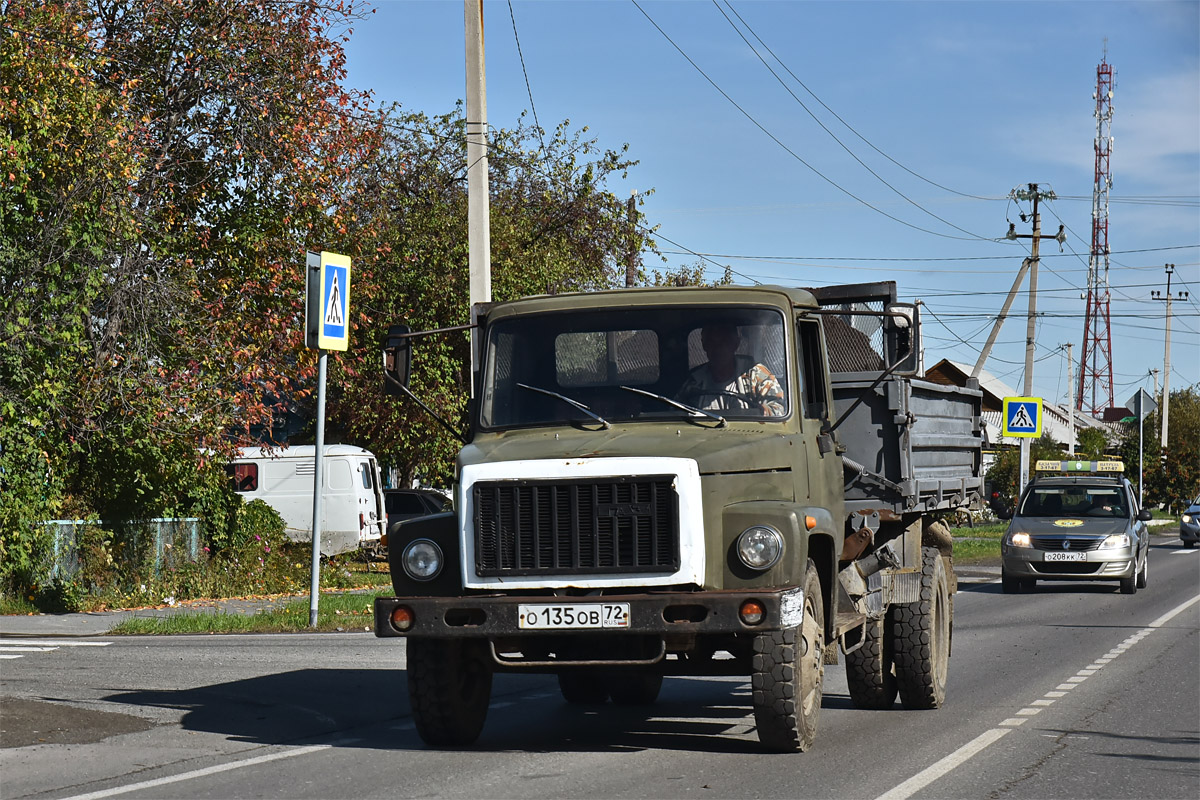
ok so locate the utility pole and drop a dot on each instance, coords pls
(479, 242)
(631, 258)
(1070, 398)
(1166, 390)
(1033, 193)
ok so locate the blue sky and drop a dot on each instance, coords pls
(951, 104)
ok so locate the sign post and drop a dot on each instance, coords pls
(1142, 404)
(327, 327)
(1023, 419)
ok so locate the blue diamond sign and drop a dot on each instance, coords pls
(1023, 417)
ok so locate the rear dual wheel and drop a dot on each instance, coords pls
(920, 637)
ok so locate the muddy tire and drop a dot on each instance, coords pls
(870, 676)
(634, 688)
(583, 687)
(449, 687)
(788, 671)
(920, 637)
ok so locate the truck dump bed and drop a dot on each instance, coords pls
(911, 445)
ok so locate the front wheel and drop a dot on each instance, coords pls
(1143, 576)
(449, 687)
(920, 637)
(583, 687)
(788, 675)
(634, 688)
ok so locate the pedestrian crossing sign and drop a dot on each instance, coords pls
(328, 313)
(1023, 417)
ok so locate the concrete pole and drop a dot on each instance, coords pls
(478, 222)
(1031, 329)
(1008, 301)
(631, 257)
(1166, 391)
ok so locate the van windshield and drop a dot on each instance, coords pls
(579, 367)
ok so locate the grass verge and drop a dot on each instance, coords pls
(335, 612)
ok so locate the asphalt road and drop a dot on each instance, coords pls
(1073, 691)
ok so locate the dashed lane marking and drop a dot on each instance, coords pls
(950, 762)
(18, 648)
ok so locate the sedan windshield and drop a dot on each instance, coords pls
(704, 364)
(1075, 501)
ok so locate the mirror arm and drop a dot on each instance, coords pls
(408, 392)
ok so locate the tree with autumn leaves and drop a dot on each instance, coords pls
(164, 165)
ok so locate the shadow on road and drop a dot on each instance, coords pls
(369, 708)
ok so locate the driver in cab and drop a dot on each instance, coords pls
(729, 381)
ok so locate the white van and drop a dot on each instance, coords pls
(352, 515)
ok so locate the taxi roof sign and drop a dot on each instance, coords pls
(1079, 466)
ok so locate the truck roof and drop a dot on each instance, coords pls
(657, 295)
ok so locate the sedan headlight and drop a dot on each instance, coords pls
(1019, 540)
(422, 560)
(1116, 540)
(1187, 518)
(760, 547)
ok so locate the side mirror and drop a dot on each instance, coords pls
(904, 337)
(1144, 515)
(397, 359)
(1004, 513)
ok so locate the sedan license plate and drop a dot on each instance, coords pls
(573, 616)
(1066, 557)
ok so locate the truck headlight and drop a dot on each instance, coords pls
(1019, 540)
(760, 547)
(1116, 540)
(422, 560)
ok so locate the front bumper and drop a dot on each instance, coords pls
(1098, 565)
(658, 613)
(1189, 532)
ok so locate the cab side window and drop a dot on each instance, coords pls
(812, 368)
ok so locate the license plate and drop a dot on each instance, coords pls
(1065, 557)
(574, 617)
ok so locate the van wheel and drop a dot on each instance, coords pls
(870, 676)
(449, 688)
(788, 674)
(920, 637)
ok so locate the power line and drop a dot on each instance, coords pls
(777, 141)
(825, 128)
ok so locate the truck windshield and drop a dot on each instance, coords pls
(730, 363)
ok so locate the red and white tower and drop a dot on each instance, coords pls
(1095, 368)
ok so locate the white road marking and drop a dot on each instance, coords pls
(2, 657)
(971, 748)
(26, 649)
(1189, 551)
(200, 773)
(55, 642)
(940, 768)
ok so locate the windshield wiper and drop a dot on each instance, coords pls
(570, 402)
(692, 410)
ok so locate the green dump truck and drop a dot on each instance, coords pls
(689, 481)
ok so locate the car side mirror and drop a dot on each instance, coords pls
(1144, 515)
(397, 359)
